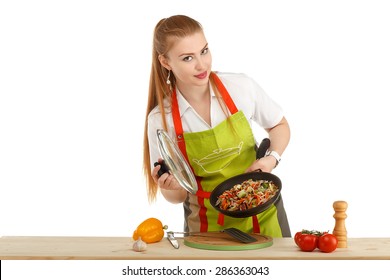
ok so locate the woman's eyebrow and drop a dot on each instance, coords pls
(193, 53)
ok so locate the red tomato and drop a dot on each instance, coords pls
(327, 243)
(307, 242)
(296, 237)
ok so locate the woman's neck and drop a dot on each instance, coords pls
(199, 99)
(195, 94)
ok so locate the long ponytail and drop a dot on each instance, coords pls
(166, 32)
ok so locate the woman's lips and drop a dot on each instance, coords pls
(202, 75)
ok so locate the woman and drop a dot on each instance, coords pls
(209, 112)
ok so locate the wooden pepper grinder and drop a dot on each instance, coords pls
(339, 229)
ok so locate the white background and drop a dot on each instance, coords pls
(73, 89)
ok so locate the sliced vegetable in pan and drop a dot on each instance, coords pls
(249, 194)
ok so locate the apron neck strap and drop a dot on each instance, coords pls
(178, 125)
(224, 93)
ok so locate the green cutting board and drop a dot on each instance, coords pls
(223, 242)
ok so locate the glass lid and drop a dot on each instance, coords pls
(175, 161)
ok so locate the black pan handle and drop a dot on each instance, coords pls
(163, 168)
(263, 147)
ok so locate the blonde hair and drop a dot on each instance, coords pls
(165, 34)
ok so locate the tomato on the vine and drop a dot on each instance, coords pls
(296, 237)
(307, 242)
(327, 243)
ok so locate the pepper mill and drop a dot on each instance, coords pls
(339, 229)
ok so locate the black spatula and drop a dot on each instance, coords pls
(239, 235)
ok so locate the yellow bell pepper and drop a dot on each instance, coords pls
(151, 230)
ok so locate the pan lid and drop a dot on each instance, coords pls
(175, 161)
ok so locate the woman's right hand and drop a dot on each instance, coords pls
(169, 186)
(166, 181)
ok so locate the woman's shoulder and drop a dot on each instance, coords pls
(237, 80)
(232, 76)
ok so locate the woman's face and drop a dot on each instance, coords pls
(190, 61)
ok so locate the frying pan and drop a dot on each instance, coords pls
(255, 175)
(174, 163)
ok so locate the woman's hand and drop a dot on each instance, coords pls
(165, 181)
(265, 164)
(169, 186)
(279, 136)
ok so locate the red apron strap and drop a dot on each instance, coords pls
(203, 209)
(221, 219)
(178, 126)
(256, 225)
(224, 93)
(203, 194)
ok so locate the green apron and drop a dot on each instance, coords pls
(214, 156)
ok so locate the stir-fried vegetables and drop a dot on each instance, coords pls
(247, 195)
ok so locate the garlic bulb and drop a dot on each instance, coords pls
(139, 245)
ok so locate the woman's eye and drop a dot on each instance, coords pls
(187, 58)
(206, 50)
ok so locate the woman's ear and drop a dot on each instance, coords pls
(164, 62)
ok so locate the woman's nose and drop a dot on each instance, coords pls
(200, 64)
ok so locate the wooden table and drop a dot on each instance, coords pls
(120, 248)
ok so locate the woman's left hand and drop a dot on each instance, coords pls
(265, 164)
